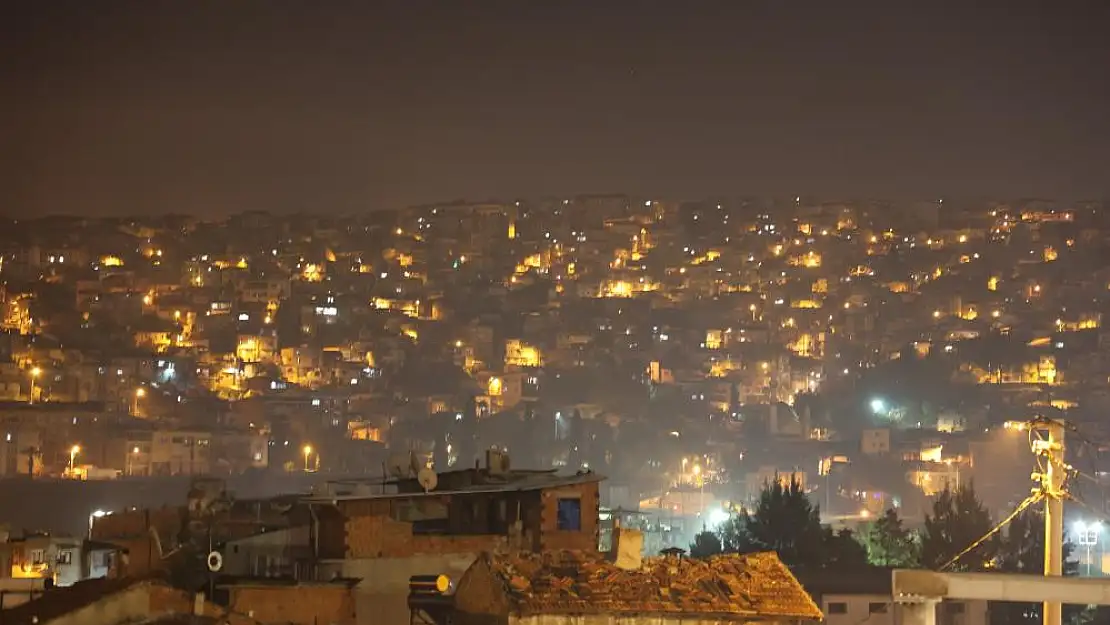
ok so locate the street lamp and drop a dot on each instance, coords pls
(73, 451)
(35, 373)
(307, 452)
(131, 460)
(96, 514)
(139, 394)
(1087, 536)
(701, 489)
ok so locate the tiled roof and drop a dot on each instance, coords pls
(571, 582)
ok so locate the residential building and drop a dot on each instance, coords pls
(384, 538)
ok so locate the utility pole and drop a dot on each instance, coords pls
(1051, 448)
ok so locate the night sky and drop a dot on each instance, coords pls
(114, 107)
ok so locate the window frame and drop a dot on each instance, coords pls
(564, 523)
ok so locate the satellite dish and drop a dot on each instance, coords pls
(428, 479)
(215, 561)
(399, 466)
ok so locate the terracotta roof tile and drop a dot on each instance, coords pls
(573, 582)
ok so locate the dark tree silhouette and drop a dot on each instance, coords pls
(842, 551)
(958, 521)
(785, 522)
(705, 544)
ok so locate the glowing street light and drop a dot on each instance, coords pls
(96, 514)
(878, 406)
(73, 451)
(307, 453)
(701, 492)
(131, 460)
(35, 373)
(139, 394)
(1087, 536)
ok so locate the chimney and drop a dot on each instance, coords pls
(627, 548)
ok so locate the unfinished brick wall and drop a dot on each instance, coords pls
(141, 557)
(133, 523)
(382, 537)
(551, 537)
(300, 605)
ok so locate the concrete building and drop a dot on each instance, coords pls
(283, 553)
(63, 560)
(384, 539)
(852, 597)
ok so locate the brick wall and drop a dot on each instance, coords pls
(136, 523)
(141, 557)
(168, 600)
(331, 531)
(382, 537)
(300, 605)
(551, 537)
(368, 531)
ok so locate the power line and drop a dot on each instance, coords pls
(1089, 507)
(1030, 500)
(1041, 455)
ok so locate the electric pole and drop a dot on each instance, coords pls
(1051, 448)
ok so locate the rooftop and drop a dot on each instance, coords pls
(574, 582)
(61, 601)
(514, 481)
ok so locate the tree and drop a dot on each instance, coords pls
(958, 521)
(889, 543)
(705, 544)
(784, 521)
(842, 551)
(1021, 550)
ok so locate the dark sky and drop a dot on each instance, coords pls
(326, 105)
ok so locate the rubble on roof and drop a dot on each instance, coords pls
(570, 582)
